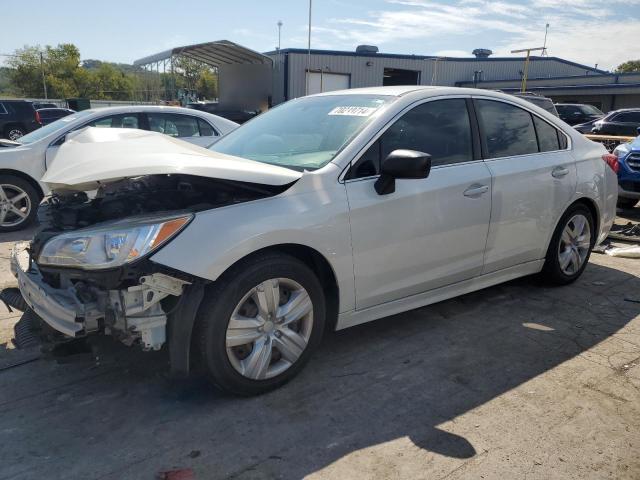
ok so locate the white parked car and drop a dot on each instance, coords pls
(325, 212)
(23, 162)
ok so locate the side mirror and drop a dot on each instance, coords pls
(404, 164)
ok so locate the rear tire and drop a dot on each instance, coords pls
(18, 203)
(243, 293)
(570, 246)
(627, 202)
(14, 132)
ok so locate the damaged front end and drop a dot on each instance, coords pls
(87, 270)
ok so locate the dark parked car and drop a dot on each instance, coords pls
(17, 118)
(39, 105)
(585, 127)
(578, 113)
(235, 115)
(44, 116)
(538, 100)
(623, 122)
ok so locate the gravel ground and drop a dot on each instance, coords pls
(515, 381)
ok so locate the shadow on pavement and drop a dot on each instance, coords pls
(398, 377)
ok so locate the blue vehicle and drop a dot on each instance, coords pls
(628, 173)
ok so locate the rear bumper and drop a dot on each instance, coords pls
(59, 308)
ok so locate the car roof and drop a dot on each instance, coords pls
(394, 91)
(143, 108)
(423, 91)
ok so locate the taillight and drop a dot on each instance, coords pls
(38, 119)
(611, 160)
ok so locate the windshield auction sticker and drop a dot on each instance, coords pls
(353, 111)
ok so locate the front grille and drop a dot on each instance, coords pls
(633, 161)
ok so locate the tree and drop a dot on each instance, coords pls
(207, 85)
(25, 74)
(196, 76)
(629, 66)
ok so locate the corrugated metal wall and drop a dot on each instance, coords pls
(368, 71)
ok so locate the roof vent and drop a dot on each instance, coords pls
(482, 52)
(367, 49)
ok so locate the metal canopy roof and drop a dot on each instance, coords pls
(215, 54)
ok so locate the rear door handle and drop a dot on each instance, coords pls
(559, 172)
(476, 190)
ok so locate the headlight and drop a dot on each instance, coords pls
(112, 245)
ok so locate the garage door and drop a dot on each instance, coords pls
(327, 82)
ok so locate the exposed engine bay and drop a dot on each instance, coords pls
(131, 302)
(66, 210)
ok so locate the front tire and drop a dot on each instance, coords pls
(18, 203)
(259, 324)
(570, 246)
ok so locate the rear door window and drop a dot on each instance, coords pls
(506, 130)
(628, 117)
(127, 120)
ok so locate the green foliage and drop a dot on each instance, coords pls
(207, 85)
(629, 66)
(67, 77)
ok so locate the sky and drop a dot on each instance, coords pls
(585, 31)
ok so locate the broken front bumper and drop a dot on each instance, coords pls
(61, 309)
(131, 314)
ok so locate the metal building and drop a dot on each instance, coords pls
(331, 69)
(249, 80)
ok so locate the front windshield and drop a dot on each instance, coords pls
(303, 134)
(590, 110)
(42, 132)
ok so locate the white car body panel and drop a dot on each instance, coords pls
(313, 213)
(404, 258)
(32, 159)
(101, 155)
(421, 244)
(425, 235)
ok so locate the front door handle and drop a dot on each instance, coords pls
(559, 172)
(476, 190)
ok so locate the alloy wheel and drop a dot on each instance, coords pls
(269, 329)
(15, 133)
(15, 205)
(575, 243)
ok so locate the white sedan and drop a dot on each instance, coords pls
(325, 212)
(23, 162)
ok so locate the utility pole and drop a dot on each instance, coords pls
(544, 46)
(523, 86)
(279, 32)
(306, 92)
(434, 75)
(44, 81)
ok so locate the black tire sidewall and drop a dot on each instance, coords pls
(34, 197)
(15, 127)
(220, 301)
(551, 270)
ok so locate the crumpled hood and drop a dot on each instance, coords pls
(94, 156)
